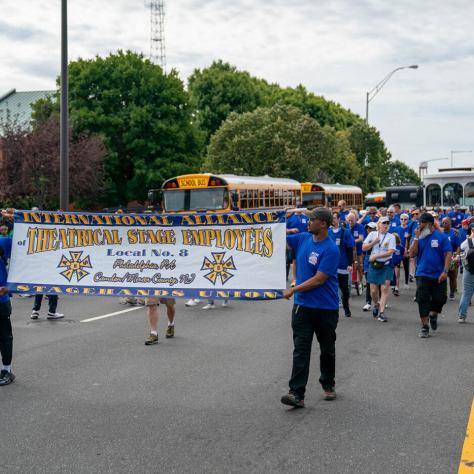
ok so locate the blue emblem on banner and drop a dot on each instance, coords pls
(75, 266)
(219, 268)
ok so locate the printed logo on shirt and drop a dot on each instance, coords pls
(338, 242)
(356, 233)
(313, 258)
(434, 243)
(385, 244)
(406, 235)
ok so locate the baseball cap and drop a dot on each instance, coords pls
(372, 225)
(322, 214)
(384, 219)
(426, 217)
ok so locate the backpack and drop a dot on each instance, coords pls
(470, 257)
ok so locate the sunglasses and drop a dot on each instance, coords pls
(384, 223)
(403, 219)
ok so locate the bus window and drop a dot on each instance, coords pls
(433, 195)
(194, 199)
(243, 199)
(469, 194)
(452, 194)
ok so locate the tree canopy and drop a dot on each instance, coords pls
(29, 170)
(280, 141)
(143, 115)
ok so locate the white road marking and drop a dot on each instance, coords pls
(111, 314)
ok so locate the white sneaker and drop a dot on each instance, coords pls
(54, 315)
(34, 314)
(24, 295)
(192, 302)
(366, 307)
(225, 304)
(209, 306)
(405, 286)
(461, 319)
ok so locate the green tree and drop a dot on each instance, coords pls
(371, 154)
(219, 90)
(143, 115)
(398, 173)
(279, 141)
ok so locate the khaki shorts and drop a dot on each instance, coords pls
(157, 301)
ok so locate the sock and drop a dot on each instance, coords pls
(8, 368)
(170, 324)
(154, 333)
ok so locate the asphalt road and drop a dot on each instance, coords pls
(91, 398)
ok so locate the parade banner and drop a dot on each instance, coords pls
(237, 255)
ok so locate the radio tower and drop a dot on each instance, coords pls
(157, 33)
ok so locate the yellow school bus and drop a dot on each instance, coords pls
(328, 195)
(226, 192)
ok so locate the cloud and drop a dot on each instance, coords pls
(20, 33)
(339, 49)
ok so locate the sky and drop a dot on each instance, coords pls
(339, 49)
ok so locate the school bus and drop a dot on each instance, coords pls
(328, 195)
(226, 192)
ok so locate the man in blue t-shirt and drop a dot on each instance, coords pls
(316, 305)
(6, 333)
(345, 243)
(433, 253)
(455, 241)
(456, 216)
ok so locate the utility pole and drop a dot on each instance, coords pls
(157, 33)
(64, 119)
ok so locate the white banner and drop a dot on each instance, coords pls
(214, 255)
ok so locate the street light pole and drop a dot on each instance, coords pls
(64, 129)
(371, 94)
(458, 151)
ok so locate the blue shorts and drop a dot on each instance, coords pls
(379, 276)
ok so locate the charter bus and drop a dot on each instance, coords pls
(449, 187)
(377, 199)
(226, 192)
(328, 195)
(407, 196)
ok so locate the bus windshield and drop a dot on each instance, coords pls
(314, 198)
(194, 199)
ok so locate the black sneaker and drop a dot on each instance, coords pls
(451, 296)
(347, 314)
(382, 317)
(434, 321)
(6, 378)
(424, 331)
(375, 312)
(292, 400)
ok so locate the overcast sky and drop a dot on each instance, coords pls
(336, 48)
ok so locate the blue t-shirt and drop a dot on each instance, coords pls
(356, 232)
(456, 218)
(343, 215)
(5, 250)
(397, 256)
(368, 218)
(403, 233)
(293, 222)
(431, 251)
(303, 223)
(453, 239)
(347, 242)
(412, 226)
(313, 256)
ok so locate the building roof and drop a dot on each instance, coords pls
(17, 105)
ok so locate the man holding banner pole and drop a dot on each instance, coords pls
(6, 333)
(316, 305)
